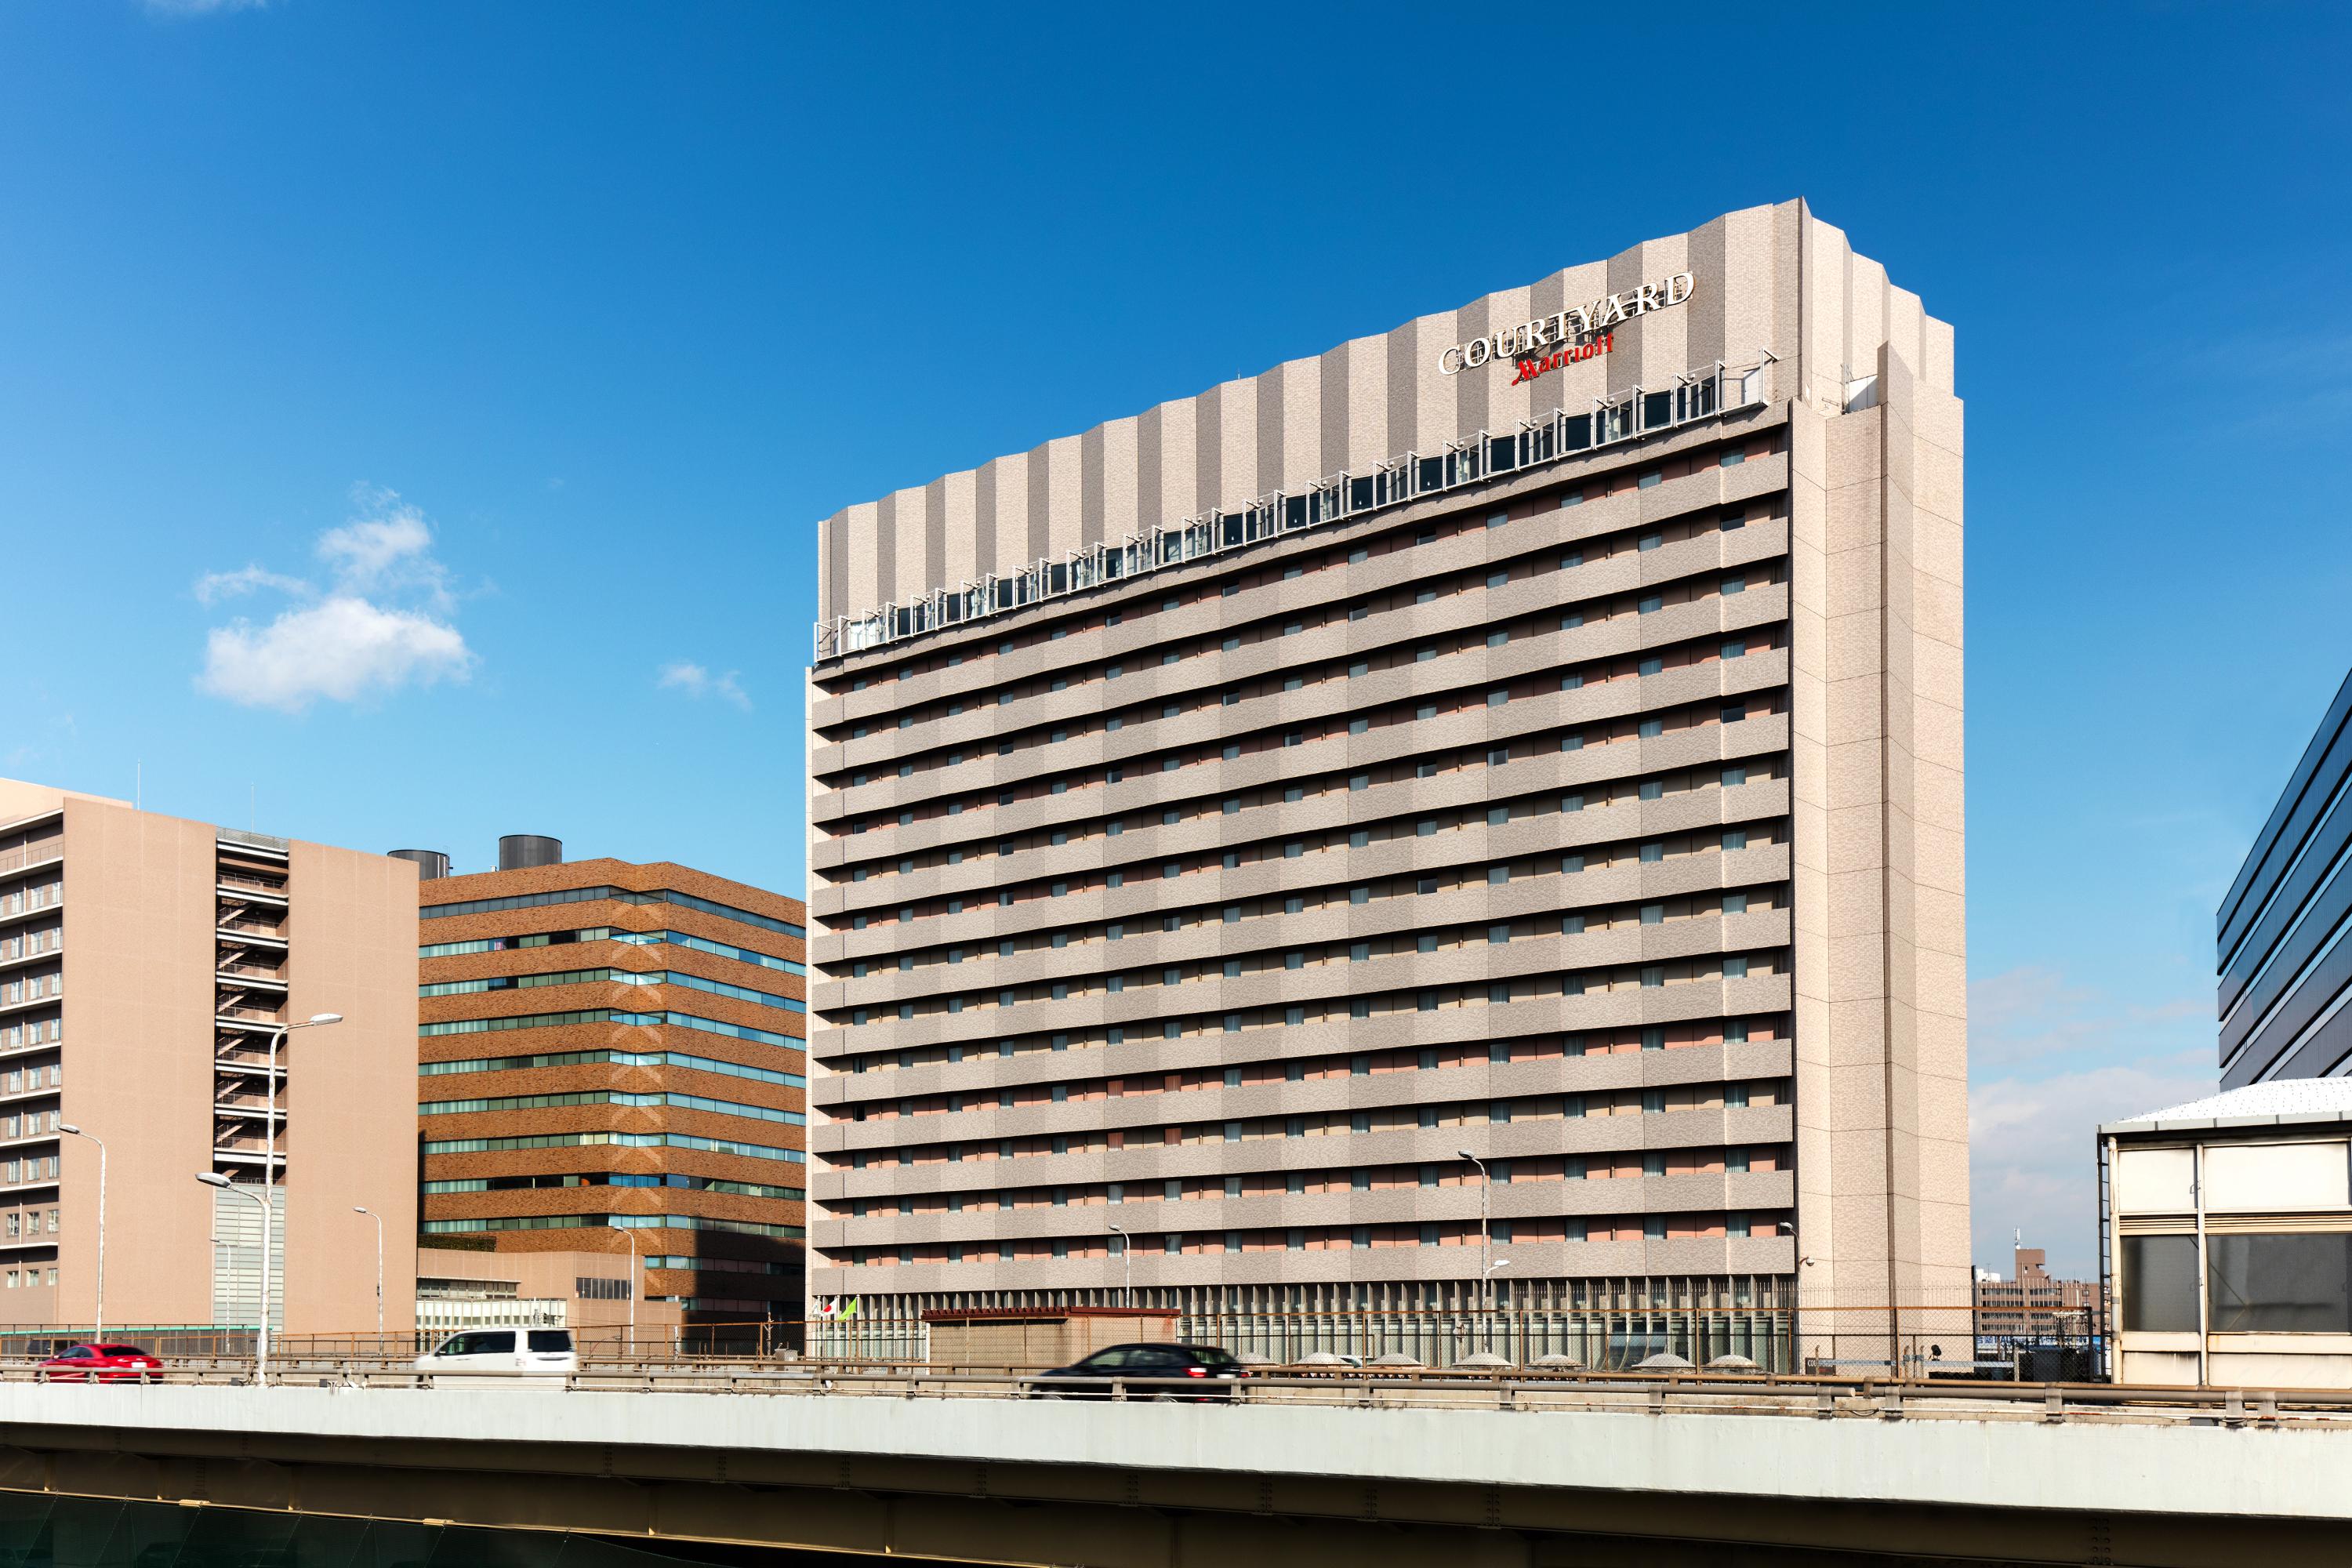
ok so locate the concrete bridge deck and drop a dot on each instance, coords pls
(1617, 1471)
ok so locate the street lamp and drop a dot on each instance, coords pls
(362, 1208)
(69, 1127)
(268, 1199)
(636, 1284)
(261, 1343)
(1127, 1257)
(1485, 1243)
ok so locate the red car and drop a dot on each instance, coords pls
(101, 1363)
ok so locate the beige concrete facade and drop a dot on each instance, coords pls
(588, 1290)
(1390, 757)
(154, 956)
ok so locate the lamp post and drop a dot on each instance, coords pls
(636, 1284)
(362, 1208)
(1127, 1257)
(1485, 1247)
(261, 1343)
(67, 1127)
(270, 1163)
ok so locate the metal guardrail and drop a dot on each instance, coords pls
(1662, 1393)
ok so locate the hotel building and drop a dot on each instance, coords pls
(610, 1061)
(2285, 971)
(1508, 765)
(145, 964)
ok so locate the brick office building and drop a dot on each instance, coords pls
(611, 1059)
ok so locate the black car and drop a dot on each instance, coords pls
(1148, 1372)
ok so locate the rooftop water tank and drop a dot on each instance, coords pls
(521, 851)
(430, 863)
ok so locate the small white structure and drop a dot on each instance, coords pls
(2225, 1231)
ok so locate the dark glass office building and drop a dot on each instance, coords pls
(2284, 966)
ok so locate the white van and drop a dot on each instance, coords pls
(501, 1353)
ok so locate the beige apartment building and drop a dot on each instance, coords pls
(1473, 817)
(146, 962)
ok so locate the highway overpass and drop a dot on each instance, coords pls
(1316, 1474)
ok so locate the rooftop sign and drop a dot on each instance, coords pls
(1574, 327)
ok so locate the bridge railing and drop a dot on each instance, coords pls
(1367, 1387)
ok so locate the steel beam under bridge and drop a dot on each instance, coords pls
(1162, 1486)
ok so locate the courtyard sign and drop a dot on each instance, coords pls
(1581, 331)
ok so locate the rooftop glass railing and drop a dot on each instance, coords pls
(1624, 416)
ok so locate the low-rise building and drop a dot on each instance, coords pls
(482, 1288)
(2032, 1302)
(2226, 1238)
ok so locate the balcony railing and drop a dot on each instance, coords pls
(24, 854)
(1622, 418)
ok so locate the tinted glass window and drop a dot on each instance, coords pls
(1209, 1355)
(2159, 1284)
(2282, 1284)
(550, 1339)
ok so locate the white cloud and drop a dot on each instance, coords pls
(2052, 1059)
(698, 682)
(246, 579)
(388, 545)
(341, 649)
(383, 624)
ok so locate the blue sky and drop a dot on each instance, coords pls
(419, 412)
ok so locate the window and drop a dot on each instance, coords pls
(2276, 1284)
(1736, 649)
(1650, 603)
(2160, 1283)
